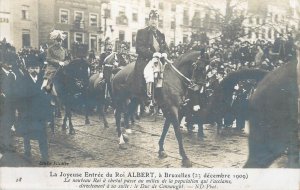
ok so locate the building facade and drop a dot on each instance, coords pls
(19, 23)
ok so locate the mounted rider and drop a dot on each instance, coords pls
(57, 56)
(148, 41)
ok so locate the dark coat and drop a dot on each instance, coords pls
(145, 50)
(34, 109)
(7, 97)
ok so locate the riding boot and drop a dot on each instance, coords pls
(149, 89)
(47, 85)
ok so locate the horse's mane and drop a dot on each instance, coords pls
(233, 78)
(186, 58)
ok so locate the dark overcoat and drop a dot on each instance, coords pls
(34, 109)
(145, 50)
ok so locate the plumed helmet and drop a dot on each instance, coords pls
(57, 34)
(153, 14)
(157, 55)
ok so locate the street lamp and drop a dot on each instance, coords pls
(105, 16)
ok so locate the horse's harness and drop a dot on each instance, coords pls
(192, 83)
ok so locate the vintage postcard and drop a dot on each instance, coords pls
(149, 94)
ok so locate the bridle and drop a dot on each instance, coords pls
(189, 82)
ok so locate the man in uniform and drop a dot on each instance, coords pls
(148, 41)
(56, 57)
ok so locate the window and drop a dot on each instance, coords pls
(64, 16)
(173, 7)
(26, 38)
(133, 39)
(121, 11)
(276, 18)
(257, 34)
(65, 42)
(185, 39)
(25, 12)
(107, 13)
(78, 16)
(257, 20)
(263, 35)
(249, 34)
(121, 35)
(270, 33)
(186, 17)
(93, 42)
(78, 37)
(173, 24)
(250, 20)
(135, 15)
(78, 19)
(161, 5)
(147, 3)
(93, 19)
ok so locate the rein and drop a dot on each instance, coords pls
(188, 81)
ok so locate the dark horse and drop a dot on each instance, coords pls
(272, 113)
(274, 119)
(99, 89)
(70, 84)
(175, 85)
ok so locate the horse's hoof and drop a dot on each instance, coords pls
(201, 136)
(126, 138)
(72, 132)
(87, 122)
(122, 146)
(186, 163)
(162, 154)
(129, 131)
(63, 127)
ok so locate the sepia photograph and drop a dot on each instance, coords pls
(89, 88)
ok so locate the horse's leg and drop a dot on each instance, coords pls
(87, 113)
(52, 120)
(200, 128)
(161, 152)
(293, 147)
(64, 125)
(71, 127)
(185, 160)
(102, 113)
(122, 138)
(118, 121)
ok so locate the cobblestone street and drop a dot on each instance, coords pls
(96, 146)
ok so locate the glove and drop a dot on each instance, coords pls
(164, 55)
(196, 107)
(62, 63)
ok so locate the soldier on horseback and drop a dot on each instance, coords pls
(56, 57)
(148, 41)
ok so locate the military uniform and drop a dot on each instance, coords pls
(147, 43)
(55, 54)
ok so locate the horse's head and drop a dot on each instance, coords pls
(187, 63)
(75, 75)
